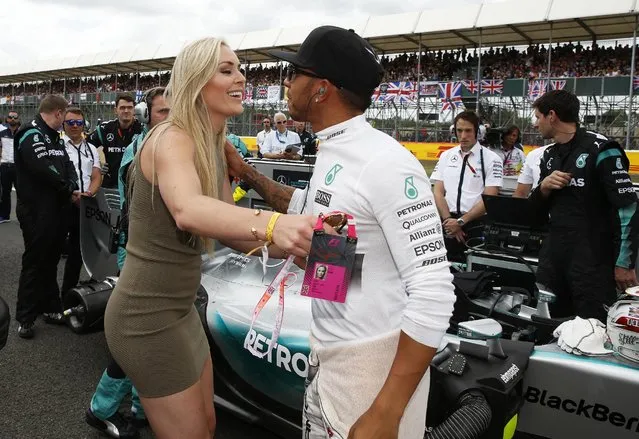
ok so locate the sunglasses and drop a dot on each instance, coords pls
(74, 122)
(12, 117)
(280, 122)
(292, 70)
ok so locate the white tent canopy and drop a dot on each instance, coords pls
(513, 22)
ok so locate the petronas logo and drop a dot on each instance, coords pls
(330, 175)
(410, 190)
(581, 161)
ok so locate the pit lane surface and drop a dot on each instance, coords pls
(46, 383)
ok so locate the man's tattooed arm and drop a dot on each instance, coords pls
(276, 195)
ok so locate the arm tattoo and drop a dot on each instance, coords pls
(276, 195)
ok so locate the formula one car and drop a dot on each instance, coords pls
(543, 392)
(484, 386)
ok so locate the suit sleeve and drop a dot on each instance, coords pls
(35, 157)
(540, 203)
(612, 169)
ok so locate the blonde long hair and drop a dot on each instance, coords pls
(194, 66)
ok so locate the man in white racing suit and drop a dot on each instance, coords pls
(369, 355)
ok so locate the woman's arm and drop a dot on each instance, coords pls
(200, 215)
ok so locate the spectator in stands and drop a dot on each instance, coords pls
(46, 186)
(86, 161)
(512, 156)
(279, 139)
(7, 165)
(461, 176)
(266, 123)
(308, 140)
(115, 135)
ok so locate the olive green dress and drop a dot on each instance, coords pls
(151, 324)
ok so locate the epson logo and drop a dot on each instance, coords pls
(323, 198)
(511, 373)
(280, 356)
(99, 215)
(414, 208)
(596, 412)
(429, 248)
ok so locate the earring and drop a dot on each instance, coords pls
(316, 100)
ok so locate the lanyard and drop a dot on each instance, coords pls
(461, 175)
(280, 282)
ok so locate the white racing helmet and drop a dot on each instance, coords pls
(622, 328)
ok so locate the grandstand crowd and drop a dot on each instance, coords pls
(567, 60)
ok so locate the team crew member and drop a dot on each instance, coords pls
(46, 186)
(461, 176)
(369, 355)
(87, 166)
(512, 157)
(529, 176)
(586, 191)
(114, 385)
(115, 135)
(7, 165)
(309, 141)
(275, 143)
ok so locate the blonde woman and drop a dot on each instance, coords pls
(180, 200)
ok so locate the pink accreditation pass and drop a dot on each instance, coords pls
(330, 261)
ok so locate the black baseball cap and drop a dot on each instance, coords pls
(339, 55)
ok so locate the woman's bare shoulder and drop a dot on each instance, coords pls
(170, 138)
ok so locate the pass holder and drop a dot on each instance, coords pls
(330, 262)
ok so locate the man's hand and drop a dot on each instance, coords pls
(625, 278)
(555, 181)
(75, 197)
(375, 424)
(451, 226)
(234, 160)
(290, 156)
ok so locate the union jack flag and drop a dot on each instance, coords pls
(401, 93)
(450, 95)
(471, 86)
(635, 82)
(248, 93)
(536, 88)
(557, 84)
(492, 86)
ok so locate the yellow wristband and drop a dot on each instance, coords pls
(271, 226)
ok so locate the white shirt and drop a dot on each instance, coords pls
(404, 281)
(6, 153)
(276, 142)
(260, 138)
(86, 154)
(530, 172)
(513, 160)
(449, 170)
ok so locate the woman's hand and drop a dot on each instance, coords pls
(293, 234)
